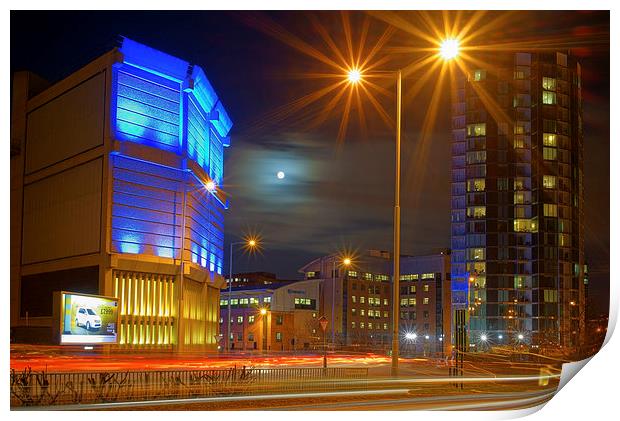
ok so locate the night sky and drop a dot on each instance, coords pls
(338, 190)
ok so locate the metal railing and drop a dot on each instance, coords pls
(32, 388)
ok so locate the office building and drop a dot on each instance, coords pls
(280, 316)
(357, 296)
(517, 200)
(115, 176)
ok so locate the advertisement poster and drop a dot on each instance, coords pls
(88, 319)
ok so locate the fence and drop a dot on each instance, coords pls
(30, 388)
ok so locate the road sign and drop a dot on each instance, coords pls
(323, 323)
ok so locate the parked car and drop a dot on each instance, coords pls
(88, 318)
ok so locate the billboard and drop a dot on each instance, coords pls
(88, 319)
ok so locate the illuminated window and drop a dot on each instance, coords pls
(370, 325)
(564, 240)
(239, 319)
(353, 299)
(428, 276)
(223, 303)
(353, 311)
(244, 301)
(476, 254)
(519, 128)
(550, 209)
(425, 287)
(479, 129)
(382, 278)
(518, 142)
(253, 300)
(519, 183)
(412, 289)
(353, 325)
(250, 319)
(550, 296)
(519, 282)
(362, 312)
(310, 275)
(278, 336)
(385, 301)
(479, 75)
(385, 326)
(362, 325)
(234, 301)
(403, 302)
(385, 314)
(522, 225)
(550, 139)
(549, 181)
(413, 301)
(550, 154)
(476, 184)
(477, 211)
(548, 83)
(368, 276)
(362, 300)
(352, 274)
(279, 319)
(426, 299)
(548, 98)
(266, 299)
(519, 198)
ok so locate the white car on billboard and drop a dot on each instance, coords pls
(87, 318)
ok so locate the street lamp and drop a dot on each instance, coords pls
(250, 243)
(211, 187)
(345, 262)
(448, 50)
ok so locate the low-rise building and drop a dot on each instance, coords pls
(282, 316)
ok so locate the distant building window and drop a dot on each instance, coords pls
(550, 154)
(550, 210)
(412, 289)
(279, 319)
(476, 211)
(548, 98)
(478, 129)
(353, 299)
(428, 276)
(385, 314)
(240, 336)
(425, 287)
(362, 313)
(251, 337)
(353, 325)
(548, 83)
(253, 300)
(310, 275)
(385, 326)
(362, 325)
(476, 184)
(479, 75)
(368, 276)
(223, 303)
(266, 299)
(549, 181)
(412, 301)
(426, 299)
(353, 311)
(239, 319)
(385, 301)
(251, 319)
(426, 314)
(362, 300)
(382, 278)
(278, 336)
(352, 274)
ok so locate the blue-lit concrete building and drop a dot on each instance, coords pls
(115, 175)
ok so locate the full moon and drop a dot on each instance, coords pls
(280, 175)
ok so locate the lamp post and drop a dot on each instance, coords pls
(448, 50)
(211, 187)
(345, 262)
(250, 243)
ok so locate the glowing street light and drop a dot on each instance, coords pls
(411, 336)
(449, 49)
(263, 311)
(211, 186)
(354, 76)
(346, 261)
(500, 337)
(520, 336)
(483, 337)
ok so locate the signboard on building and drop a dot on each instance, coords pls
(87, 319)
(323, 323)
